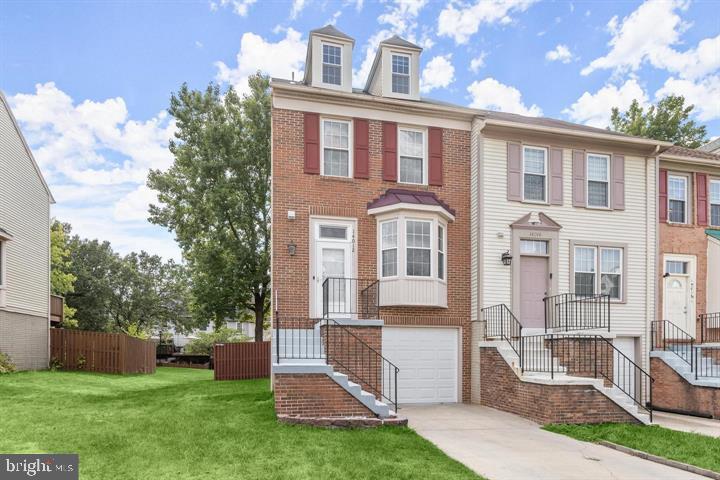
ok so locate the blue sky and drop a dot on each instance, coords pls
(90, 81)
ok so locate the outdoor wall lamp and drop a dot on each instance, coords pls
(506, 258)
(291, 248)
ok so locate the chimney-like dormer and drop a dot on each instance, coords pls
(396, 70)
(328, 63)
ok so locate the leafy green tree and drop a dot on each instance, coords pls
(216, 198)
(669, 121)
(62, 281)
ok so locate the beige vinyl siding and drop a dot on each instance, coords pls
(635, 227)
(25, 214)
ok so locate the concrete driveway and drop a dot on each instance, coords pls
(501, 446)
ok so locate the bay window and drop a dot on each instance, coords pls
(441, 252)
(598, 270)
(598, 180)
(388, 248)
(336, 157)
(534, 174)
(411, 156)
(715, 203)
(418, 248)
(677, 198)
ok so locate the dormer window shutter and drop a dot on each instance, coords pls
(579, 178)
(361, 153)
(663, 196)
(617, 197)
(390, 161)
(701, 184)
(312, 143)
(435, 147)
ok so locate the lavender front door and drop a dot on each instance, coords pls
(533, 288)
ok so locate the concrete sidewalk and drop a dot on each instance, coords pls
(501, 446)
(686, 423)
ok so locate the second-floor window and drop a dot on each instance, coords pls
(332, 64)
(401, 74)
(715, 203)
(418, 248)
(598, 178)
(411, 150)
(336, 148)
(677, 198)
(534, 174)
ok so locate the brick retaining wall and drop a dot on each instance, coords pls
(672, 392)
(315, 395)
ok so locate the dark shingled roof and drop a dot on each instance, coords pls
(690, 152)
(331, 31)
(394, 196)
(399, 42)
(711, 146)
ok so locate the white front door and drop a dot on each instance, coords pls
(332, 259)
(678, 292)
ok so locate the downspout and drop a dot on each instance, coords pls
(658, 258)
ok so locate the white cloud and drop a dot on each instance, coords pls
(96, 159)
(493, 95)
(278, 59)
(478, 62)
(648, 35)
(463, 22)
(438, 73)
(297, 7)
(704, 94)
(561, 53)
(239, 7)
(594, 108)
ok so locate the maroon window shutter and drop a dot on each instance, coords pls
(556, 176)
(663, 195)
(312, 143)
(514, 167)
(435, 146)
(578, 179)
(361, 138)
(390, 160)
(701, 184)
(618, 182)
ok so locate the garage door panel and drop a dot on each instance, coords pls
(428, 363)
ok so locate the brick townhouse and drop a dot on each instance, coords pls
(424, 252)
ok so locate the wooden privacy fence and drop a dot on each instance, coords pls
(101, 352)
(236, 361)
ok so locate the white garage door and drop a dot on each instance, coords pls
(428, 363)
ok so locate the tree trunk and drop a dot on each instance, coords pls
(259, 317)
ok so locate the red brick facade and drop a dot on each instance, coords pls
(674, 393)
(502, 389)
(315, 195)
(313, 395)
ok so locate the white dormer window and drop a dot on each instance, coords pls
(332, 64)
(401, 74)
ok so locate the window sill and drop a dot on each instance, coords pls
(336, 178)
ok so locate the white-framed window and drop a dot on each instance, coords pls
(598, 180)
(388, 249)
(677, 198)
(401, 74)
(676, 267)
(417, 248)
(336, 152)
(331, 64)
(412, 156)
(534, 247)
(534, 174)
(333, 232)
(715, 203)
(441, 252)
(608, 262)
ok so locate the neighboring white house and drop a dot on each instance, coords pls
(24, 249)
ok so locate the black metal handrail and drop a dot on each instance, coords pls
(665, 335)
(358, 297)
(501, 322)
(709, 327)
(327, 340)
(707, 362)
(591, 356)
(573, 311)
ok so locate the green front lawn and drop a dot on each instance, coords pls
(180, 424)
(691, 448)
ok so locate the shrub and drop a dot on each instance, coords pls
(55, 364)
(205, 341)
(6, 365)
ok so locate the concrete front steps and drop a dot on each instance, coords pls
(683, 369)
(307, 344)
(559, 377)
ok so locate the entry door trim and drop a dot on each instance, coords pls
(528, 233)
(315, 311)
(692, 285)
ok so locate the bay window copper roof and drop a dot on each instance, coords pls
(395, 196)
